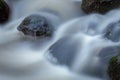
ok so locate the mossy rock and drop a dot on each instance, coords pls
(114, 68)
(4, 12)
(99, 6)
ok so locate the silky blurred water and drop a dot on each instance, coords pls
(78, 49)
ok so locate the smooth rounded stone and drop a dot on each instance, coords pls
(4, 12)
(114, 68)
(108, 52)
(99, 6)
(36, 25)
(112, 32)
(64, 51)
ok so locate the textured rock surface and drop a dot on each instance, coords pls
(99, 6)
(36, 25)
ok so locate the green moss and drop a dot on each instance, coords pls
(1, 2)
(114, 68)
(1, 5)
(114, 60)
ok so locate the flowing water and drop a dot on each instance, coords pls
(78, 50)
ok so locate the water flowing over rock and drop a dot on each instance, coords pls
(112, 32)
(4, 11)
(99, 6)
(36, 25)
(108, 52)
(64, 57)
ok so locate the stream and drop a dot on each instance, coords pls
(79, 49)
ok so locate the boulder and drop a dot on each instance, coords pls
(99, 6)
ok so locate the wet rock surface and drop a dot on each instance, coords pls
(112, 32)
(4, 12)
(99, 6)
(36, 25)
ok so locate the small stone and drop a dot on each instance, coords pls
(99, 6)
(36, 25)
(4, 12)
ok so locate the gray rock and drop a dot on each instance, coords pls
(36, 25)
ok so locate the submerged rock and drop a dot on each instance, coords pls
(99, 6)
(64, 51)
(4, 11)
(112, 32)
(114, 68)
(36, 25)
(108, 52)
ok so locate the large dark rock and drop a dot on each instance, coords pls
(36, 25)
(4, 11)
(99, 6)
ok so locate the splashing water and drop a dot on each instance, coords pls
(78, 49)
